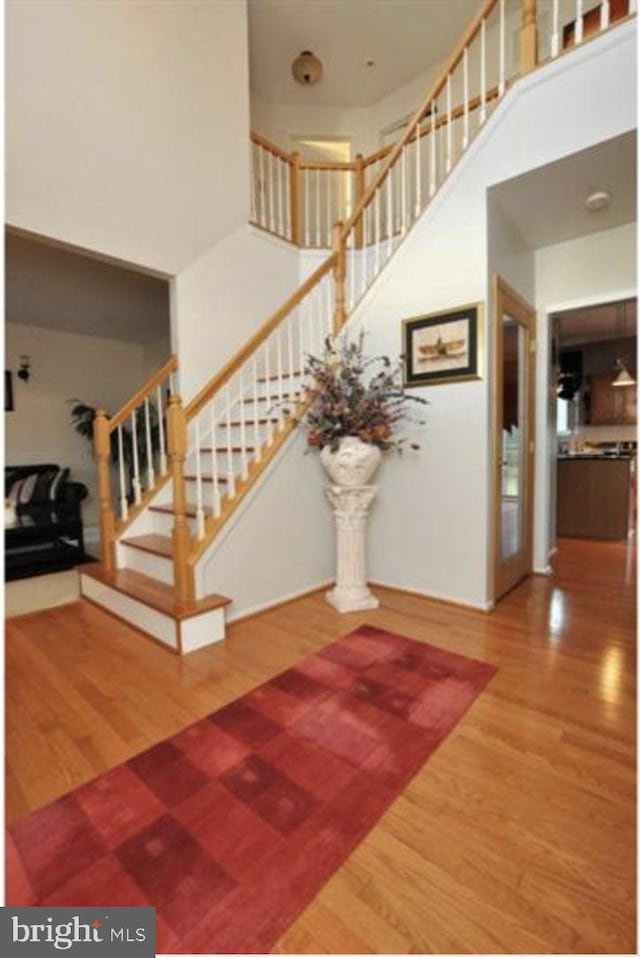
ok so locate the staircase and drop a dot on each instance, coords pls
(171, 475)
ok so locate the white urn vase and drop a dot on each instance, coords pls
(353, 463)
(350, 468)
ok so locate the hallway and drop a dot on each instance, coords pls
(517, 836)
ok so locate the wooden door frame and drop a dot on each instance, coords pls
(506, 299)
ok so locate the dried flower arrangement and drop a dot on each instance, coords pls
(350, 397)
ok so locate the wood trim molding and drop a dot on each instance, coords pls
(145, 390)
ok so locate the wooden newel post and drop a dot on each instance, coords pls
(339, 272)
(294, 188)
(528, 37)
(359, 227)
(102, 447)
(177, 450)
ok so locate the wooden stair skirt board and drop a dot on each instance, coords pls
(150, 606)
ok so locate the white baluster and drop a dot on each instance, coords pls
(351, 272)
(287, 200)
(163, 450)
(272, 194)
(199, 506)
(215, 487)
(329, 178)
(579, 27)
(307, 306)
(418, 206)
(482, 115)
(307, 212)
(172, 384)
(501, 72)
(364, 261)
(267, 373)
(318, 221)
(257, 452)
(555, 29)
(290, 323)
(389, 213)
(605, 14)
(376, 210)
(279, 197)
(278, 335)
(449, 160)
(242, 408)
(124, 505)
(465, 115)
(151, 479)
(254, 216)
(231, 479)
(137, 489)
(403, 189)
(263, 189)
(432, 145)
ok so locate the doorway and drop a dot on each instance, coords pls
(514, 429)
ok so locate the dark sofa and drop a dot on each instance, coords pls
(44, 531)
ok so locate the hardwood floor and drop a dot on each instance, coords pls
(517, 836)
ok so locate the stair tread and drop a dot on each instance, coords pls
(190, 509)
(155, 594)
(274, 378)
(226, 448)
(152, 542)
(204, 478)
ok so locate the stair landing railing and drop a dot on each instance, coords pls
(133, 453)
(299, 200)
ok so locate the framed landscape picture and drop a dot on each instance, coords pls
(443, 347)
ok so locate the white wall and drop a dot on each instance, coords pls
(429, 525)
(589, 270)
(281, 541)
(155, 355)
(100, 372)
(127, 125)
(219, 301)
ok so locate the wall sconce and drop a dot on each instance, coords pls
(24, 369)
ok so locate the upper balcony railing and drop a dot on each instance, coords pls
(300, 200)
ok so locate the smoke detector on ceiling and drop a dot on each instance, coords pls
(306, 68)
(598, 200)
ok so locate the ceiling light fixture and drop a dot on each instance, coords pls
(624, 377)
(598, 200)
(306, 68)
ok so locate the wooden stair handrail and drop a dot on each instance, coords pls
(409, 133)
(271, 147)
(145, 390)
(246, 351)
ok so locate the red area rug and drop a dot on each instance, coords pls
(231, 827)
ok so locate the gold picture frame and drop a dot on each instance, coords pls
(443, 347)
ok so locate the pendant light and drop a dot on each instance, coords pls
(624, 377)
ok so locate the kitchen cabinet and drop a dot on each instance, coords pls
(611, 404)
(594, 497)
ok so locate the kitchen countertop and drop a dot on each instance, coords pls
(597, 455)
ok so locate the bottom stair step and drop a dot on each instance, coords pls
(151, 606)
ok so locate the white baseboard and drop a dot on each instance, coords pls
(265, 606)
(485, 606)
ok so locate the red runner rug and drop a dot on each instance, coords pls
(231, 827)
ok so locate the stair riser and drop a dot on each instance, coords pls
(163, 523)
(182, 636)
(158, 567)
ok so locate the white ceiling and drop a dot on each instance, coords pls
(547, 205)
(345, 34)
(57, 288)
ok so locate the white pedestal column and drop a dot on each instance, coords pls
(350, 506)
